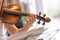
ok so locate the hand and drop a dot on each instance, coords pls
(30, 20)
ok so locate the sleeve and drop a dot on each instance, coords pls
(19, 24)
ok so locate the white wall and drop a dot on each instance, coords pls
(30, 4)
(39, 6)
(51, 7)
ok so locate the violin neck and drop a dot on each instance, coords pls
(14, 12)
(18, 13)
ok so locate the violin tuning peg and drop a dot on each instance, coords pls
(44, 19)
(43, 23)
(44, 15)
(39, 22)
(39, 13)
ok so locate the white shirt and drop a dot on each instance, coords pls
(2, 32)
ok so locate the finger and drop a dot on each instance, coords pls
(27, 21)
(34, 17)
(31, 19)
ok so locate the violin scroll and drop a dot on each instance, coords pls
(47, 19)
(40, 18)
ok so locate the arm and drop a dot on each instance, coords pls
(12, 29)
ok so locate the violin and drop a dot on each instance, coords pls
(11, 19)
(12, 14)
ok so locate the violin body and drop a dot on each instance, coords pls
(12, 19)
